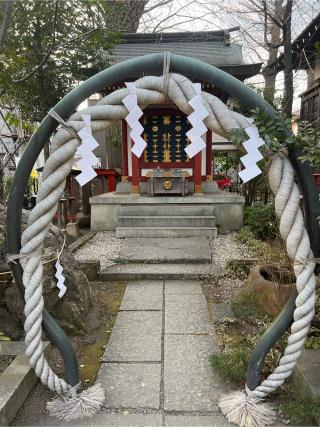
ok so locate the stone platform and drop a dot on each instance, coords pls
(171, 216)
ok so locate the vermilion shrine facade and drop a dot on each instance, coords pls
(164, 125)
(165, 129)
(164, 170)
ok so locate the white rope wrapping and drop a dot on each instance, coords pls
(220, 120)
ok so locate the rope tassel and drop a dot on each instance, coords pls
(85, 404)
(245, 410)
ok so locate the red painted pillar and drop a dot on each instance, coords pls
(112, 183)
(135, 173)
(197, 173)
(209, 155)
(124, 140)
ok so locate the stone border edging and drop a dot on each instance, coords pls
(17, 380)
(81, 241)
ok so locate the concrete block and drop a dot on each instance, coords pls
(210, 187)
(105, 208)
(168, 209)
(197, 421)
(108, 420)
(123, 188)
(136, 337)
(143, 296)
(183, 287)
(189, 381)
(308, 372)
(186, 314)
(166, 250)
(122, 232)
(221, 312)
(158, 271)
(131, 385)
(166, 221)
(72, 229)
(16, 382)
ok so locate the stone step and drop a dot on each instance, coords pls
(158, 271)
(167, 209)
(122, 232)
(166, 250)
(166, 221)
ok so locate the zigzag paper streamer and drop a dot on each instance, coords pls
(87, 158)
(198, 127)
(253, 155)
(135, 112)
(60, 277)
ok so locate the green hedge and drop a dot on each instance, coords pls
(262, 220)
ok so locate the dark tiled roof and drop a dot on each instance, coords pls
(212, 47)
(303, 46)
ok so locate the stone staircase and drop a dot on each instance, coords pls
(166, 220)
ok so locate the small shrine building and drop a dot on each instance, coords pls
(165, 127)
(164, 169)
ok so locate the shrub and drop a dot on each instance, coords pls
(262, 220)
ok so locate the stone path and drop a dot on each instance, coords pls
(158, 353)
(156, 369)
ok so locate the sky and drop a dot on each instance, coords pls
(206, 15)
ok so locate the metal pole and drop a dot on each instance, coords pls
(137, 67)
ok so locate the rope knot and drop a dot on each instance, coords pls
(166, 74)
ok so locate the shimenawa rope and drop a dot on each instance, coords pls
(242, 407)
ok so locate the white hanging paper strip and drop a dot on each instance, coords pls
(198, 127)
(135, 112)
(61, 279)
(253, 155)
(85, 157)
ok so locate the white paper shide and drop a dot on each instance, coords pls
(198, 127)
(85, 157)
(253, 155)
(60, 277)
(135, 112)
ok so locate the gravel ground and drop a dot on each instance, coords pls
(224, 248)
(104, 246)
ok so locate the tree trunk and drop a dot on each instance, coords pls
(113, 148)
(287, 56)
(8, 9)
(268, 74)
(40, 80)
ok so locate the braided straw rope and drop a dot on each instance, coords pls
(220, 120)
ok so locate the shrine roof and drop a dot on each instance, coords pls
(211, 47)
(303, 48)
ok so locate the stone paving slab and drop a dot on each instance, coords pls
(221, 312)
(146, 295)
(166, 250)
(158, 271)
(197, 421)
(189, 381)
(186, 314)
(131, 385)
(184, 287)
(308, 372)
(112, 420)
(136, 336)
